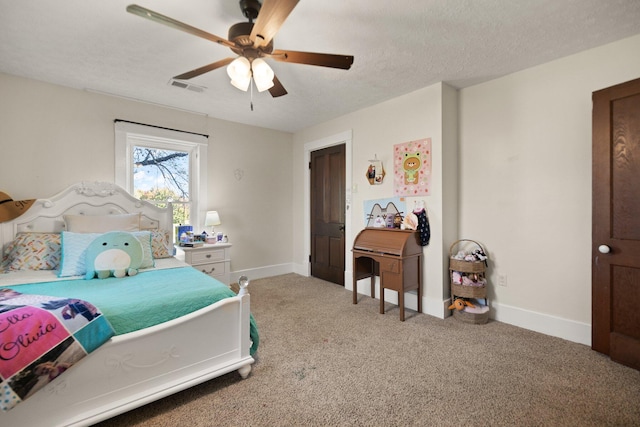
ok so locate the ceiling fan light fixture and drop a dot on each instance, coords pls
(263, 85)
(251, 41)
(239, 68)
(241, 83)
(262, 74)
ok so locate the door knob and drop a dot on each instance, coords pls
(341, 227)
(604, 249)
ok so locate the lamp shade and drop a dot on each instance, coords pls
(240, 72)
(241, 83)
(262, 74)
(212, 219)
(239, 67)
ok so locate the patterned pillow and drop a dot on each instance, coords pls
(74, 248)
(160, 244)
(144, 237)
(33, 251)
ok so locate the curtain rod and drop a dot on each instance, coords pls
(160, 127)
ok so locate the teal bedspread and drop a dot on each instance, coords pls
(149, 298)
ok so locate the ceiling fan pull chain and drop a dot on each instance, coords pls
(251, 102)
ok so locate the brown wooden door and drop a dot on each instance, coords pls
(616, 223)
(327, 213)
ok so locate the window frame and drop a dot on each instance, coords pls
(128, 135)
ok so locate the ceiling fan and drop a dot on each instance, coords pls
(251, 41)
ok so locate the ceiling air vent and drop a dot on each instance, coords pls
(184, 85)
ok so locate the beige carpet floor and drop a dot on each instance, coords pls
(323, 361)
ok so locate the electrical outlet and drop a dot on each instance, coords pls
(502, 280)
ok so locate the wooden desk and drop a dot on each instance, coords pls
(393, 255)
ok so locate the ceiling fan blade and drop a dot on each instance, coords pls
(277, 89)
(321, 59)
(270, 18)
(170, 22)
(205, 69)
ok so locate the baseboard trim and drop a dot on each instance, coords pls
(302, 269)
(569, 330)
(262, 272)
(435, 307)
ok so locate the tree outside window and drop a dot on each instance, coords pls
(161, 176)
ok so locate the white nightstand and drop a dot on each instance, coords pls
(214, 260)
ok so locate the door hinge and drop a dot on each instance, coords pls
(309, 258)
(309, 165)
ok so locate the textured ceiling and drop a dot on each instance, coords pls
(399, 46)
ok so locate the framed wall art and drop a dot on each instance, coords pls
(412, 168)
(375, 172)
(381, 209)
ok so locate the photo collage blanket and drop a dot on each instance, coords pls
(40, 338)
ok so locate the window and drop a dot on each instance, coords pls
(163, 165)
(161, 175)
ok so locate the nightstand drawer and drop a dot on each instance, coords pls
(212, 269)
(214, 260)
(207, 256)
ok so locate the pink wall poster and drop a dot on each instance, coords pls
(412, 168)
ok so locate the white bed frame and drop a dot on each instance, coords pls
(133, 369)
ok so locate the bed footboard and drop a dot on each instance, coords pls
(137, 368)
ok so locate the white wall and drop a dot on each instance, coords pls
(52, 136)
(375, 131)
(525, 143)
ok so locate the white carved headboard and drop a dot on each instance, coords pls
(85, 198)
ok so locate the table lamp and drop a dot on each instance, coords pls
(211, 219)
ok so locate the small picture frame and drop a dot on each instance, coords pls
(375, 172)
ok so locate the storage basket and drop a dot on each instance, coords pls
(468, 291)
(474, 318)
(466, 266)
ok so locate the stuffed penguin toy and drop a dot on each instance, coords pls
(115, 253)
